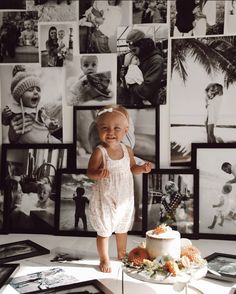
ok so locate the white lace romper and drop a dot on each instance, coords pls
(112, 205)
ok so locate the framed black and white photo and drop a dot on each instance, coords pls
(30, 185)
(202, 111)
(217, 178)
(6, 271)
(74, 193)
(20, 250)
(143, 134)
(43, 281)
(46, 108)
(142, 52)
(221, 266)
(171, 197)
(19, 36)
(90, 287)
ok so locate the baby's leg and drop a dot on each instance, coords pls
(121, 242)
(102, 246)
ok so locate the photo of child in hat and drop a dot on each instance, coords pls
(26, 93)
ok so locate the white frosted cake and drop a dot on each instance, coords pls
(163, 241)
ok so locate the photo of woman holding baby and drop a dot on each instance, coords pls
(98, 22)
(142, 64)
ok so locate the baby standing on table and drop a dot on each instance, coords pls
(111, 165)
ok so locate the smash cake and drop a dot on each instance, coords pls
(164, 256)
(163, 241)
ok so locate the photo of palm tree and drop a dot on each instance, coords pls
(202, 109)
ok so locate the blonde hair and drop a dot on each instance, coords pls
(113, 108)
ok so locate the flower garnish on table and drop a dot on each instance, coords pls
(162, 267)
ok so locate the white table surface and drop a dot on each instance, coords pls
(87, 268)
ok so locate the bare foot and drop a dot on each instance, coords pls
(121, 255)
(105, 266)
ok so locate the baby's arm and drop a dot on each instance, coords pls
(95, 169)
(138, 169)
(221, 203)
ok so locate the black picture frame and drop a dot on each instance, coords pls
(67, 208)
(65, 215)
(26, 165)
(88, 286)
(216, 203)
(186, 217)
(21, 250)
(6, 271)
(146, 146)
(220, 264)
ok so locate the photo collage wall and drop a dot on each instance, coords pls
(170, 63)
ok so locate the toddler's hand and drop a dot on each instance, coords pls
(103, 173)
(147, 167)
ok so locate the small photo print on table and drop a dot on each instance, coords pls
(171, 197)
(221, 266)
(217, 189)
(43, 282)
(20, 250)
(29, 173)
(6, 271)
(19, 37)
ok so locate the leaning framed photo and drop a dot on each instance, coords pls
(74, 191)
(29, 173)
(20, 250)
(142, 136)
(6, 271)
(90, 286)
(221, 266)
(171, 197)
(217, 187)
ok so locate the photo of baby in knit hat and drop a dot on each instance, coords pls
(26, 119)
(93, 83)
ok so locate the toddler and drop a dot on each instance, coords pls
(80, 203)
(26, 92)
(222, 207)
(214, 92)
(28, 36)
(62, 53)
(111, 166)
(134, 75)
(89, 64)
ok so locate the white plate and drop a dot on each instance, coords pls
(181, 277)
